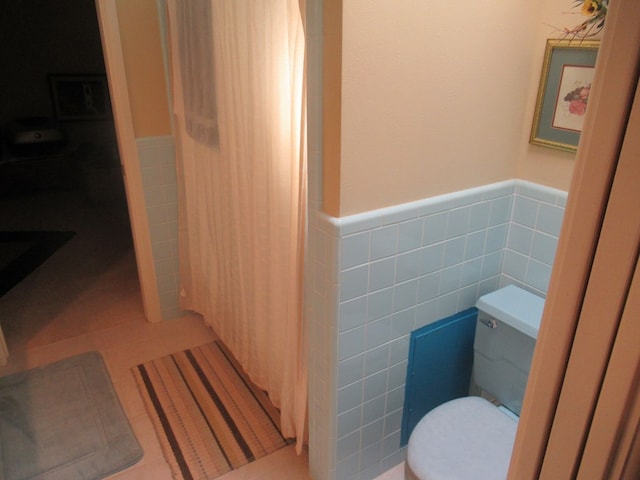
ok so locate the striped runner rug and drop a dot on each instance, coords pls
(210, 418)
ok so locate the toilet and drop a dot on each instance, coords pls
(472, 437)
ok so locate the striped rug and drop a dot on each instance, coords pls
(210, 418)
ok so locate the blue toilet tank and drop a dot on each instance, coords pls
(506, 332)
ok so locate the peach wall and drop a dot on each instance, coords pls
(140, 34)
(435, 97)
(538, 164)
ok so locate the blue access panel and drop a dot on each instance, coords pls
(439, 368)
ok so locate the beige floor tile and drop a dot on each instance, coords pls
(396, 473)
(185, 332)
(155, 470)
(281, 465)
(129, 395)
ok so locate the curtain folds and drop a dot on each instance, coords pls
(242, 209)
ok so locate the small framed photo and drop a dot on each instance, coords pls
(80, 97)
(563, 95)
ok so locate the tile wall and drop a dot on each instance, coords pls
(378, 276)
(158, 167)
(536, 219)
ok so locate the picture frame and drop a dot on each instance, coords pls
(80, 97)
(565, 81)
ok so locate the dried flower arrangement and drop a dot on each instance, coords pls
(596, 11)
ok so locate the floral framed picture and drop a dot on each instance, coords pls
(563, 95)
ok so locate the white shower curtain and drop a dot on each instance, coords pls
(243, 191)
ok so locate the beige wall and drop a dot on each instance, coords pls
(142, 51)
(541, 164)
(434, 97)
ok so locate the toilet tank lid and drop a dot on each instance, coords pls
(514, 306)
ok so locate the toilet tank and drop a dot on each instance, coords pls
(506, 332)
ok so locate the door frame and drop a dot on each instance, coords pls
(132, 175)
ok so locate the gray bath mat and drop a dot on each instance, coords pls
(64, 421)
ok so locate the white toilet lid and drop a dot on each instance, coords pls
(466, 438)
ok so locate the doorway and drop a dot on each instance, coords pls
(76, 186)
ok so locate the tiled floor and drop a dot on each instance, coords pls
(86, 297)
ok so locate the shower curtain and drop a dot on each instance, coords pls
(237, 71)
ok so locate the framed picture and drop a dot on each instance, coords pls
(563, 95)
(80, 97)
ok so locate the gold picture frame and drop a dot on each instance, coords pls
(565, 81)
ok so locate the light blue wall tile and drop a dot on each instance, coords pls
(500, 210)
(434, 228)
(376, 360)
(351, 342)
(384, 242)
(372, 435)
(167, 283)
(379, 304)
(525, 211)
(428, 287)
(407, 266)
(390, 445)
(499, 190)
(471, 272)
(378, 332)
(347, 446)
(373, 410)
(354, 282)
(479, 216)
(488, 286)
(351, 370)
(549, 219)
(431, 258)
(467, 297)
(402, 322)
(370, 461)
(353, 313)
(492, 264)
(447, 304)
(515, 265)
(349, 421)
(520, 239)
(382, 274)
(164, 249)
(405, 295)
(399, 349)
(496, 238)
(395, 400)
(154, 195)
(454, 251)
(348, 468)
(474, 246)
(544, 248)
(450, 279)
(375, 385)
(355, 250)
(350, 396)
(152, 175)
(410, 235)
(397, 375)
(538, 275)
(392, 422)
(426, 313)
(458, 222)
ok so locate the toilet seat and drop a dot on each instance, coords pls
(466, 438)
